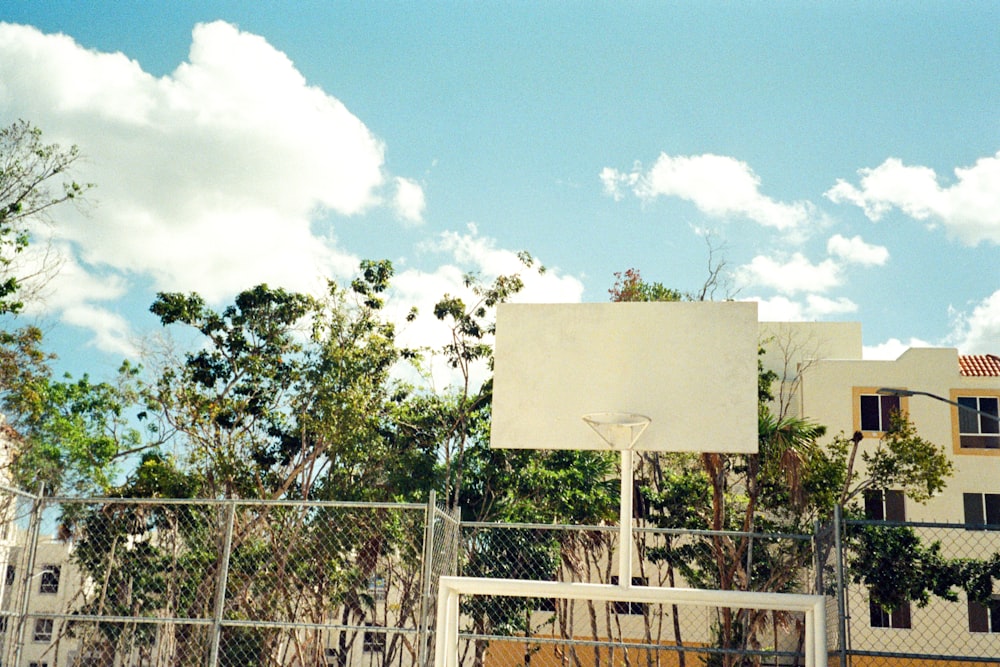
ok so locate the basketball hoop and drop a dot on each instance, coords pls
(619, 429)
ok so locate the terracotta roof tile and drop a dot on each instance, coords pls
(979, 365)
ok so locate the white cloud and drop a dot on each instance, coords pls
(112, 333)
(209, 178)
(969, 208)
(779, 309)
(978, 332)
(718, 185)
(820, 306)
(467, 253)
(409, 200)
(794, 275)
(855, 251)
(814, 307)
(891, 349)
(64, 282)
(482, 255)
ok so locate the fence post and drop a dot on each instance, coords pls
(34, 527)
(425, 588)
(220, 591)
(818, 560)
(838, 524)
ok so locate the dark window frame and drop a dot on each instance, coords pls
(373, 640)
(885, 505)
(43, 630)
(628, 607)
(875, 412)
(897, 619)
(984, 617)
(977, 431)
(981, 511)
(48, 582)
(377, 587)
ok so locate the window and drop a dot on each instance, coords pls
(885, 506)
(888, 505)
(374, 640)
(897, 618)
(43, 630)
(49, 582)
(876, 412)
(981, 509)
(38, 664)
(627, 606)
(376, 588)
(976, 430)
(11, 575)
(984, 617)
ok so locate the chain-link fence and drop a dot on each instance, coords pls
(882, 563)
(836, 560)
(183, 582)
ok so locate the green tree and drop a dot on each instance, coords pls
(471, 326)
(74, 435)
(901, 460)
(629, 286)
(65, 431)
(229, 400)
(28, 168)
(282, 396)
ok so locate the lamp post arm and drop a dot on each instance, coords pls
(914, 392)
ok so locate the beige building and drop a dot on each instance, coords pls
(53, 589)
(952, 402)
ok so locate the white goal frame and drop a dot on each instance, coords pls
(451, 588)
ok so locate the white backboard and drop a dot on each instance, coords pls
(691, 367)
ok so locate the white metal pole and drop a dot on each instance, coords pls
(446, 640)
(819, 632)
(625, 523)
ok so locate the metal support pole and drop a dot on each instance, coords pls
(220, 590)
(838, 523)
(817, 564)
(428, 572)
(625, 522)
(32, 547)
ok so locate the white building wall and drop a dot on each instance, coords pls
(828, 392)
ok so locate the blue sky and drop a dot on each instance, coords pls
(841, 158)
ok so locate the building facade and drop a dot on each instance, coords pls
(952, 400)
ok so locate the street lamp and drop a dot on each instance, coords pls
(889, 391)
